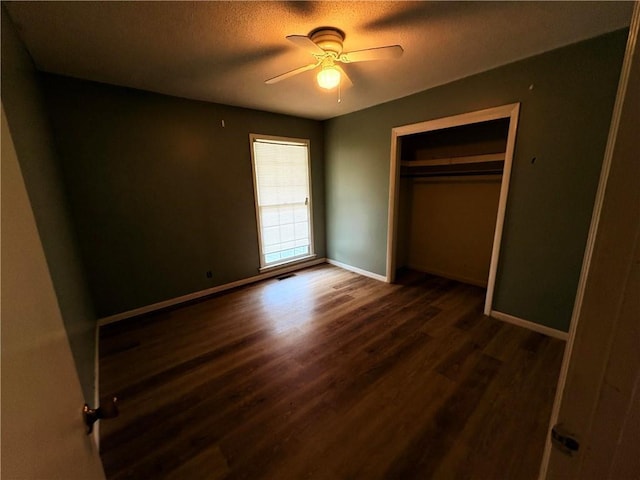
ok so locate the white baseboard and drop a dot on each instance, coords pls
(209, 291)
(536, 327)
(357, 270)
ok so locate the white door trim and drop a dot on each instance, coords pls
(510, 111)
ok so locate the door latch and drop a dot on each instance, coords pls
(563, 440)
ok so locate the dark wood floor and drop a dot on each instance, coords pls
(328, 375)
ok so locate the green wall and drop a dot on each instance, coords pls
(27, 119)
(563, 124)
(161, 192)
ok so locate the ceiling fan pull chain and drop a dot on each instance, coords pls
(339, 93)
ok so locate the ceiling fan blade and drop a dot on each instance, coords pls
(345, 81)
(306, 43)
(291, 73)
(380, 53)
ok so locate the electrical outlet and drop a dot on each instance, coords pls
(209, 274)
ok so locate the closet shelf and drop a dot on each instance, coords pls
(484, 158)
(485, 164)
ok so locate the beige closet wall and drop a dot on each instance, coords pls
(451, 226)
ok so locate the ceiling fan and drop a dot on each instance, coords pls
(325, 44)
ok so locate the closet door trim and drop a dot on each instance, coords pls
(510, 111)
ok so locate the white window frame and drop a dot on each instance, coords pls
(253, 137)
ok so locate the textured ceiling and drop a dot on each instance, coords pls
(223, 51)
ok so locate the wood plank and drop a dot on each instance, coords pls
(326, 374)
(210, 460)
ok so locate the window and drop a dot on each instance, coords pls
(283, 198)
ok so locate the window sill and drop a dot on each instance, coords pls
(287, 263)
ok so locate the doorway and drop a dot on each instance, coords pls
(428, 167)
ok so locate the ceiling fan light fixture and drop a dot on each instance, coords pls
(325, 44)
(328, 78)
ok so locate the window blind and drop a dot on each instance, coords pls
(281, 170)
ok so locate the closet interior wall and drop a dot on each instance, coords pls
(448, 200)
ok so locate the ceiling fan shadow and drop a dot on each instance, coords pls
(208, 65)
(241, 59)
(411, 14)
(302, 8)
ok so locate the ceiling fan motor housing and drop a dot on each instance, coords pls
(328, 38)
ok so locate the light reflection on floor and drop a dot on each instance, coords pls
(277, 297)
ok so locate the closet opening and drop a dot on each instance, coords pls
(449, 182)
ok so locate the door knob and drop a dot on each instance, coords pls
(91, 415)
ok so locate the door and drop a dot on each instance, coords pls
(597, 407)
(43, 434)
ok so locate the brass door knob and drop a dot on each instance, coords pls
(107, 410)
